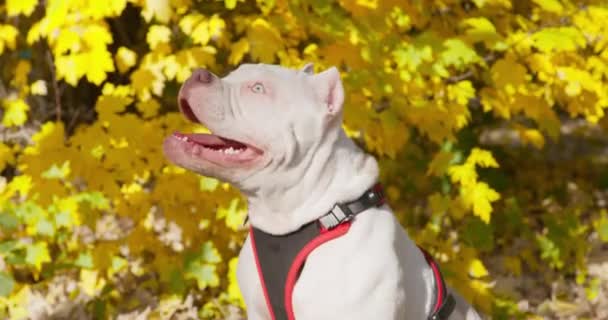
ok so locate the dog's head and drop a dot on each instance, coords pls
(265, 120)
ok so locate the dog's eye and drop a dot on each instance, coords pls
(258, 88)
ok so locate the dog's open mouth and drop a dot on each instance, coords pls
(211, 147)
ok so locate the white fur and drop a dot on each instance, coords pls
(375, 271)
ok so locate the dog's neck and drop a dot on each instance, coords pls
(340, 172)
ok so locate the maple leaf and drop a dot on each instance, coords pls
(553, 6)
(479, 196)
(477, 269)
(17, 7)
(148, 108)
(7, 284)
(158, 34)
(6, 156)
(234, 215)
(8, 37)
(158, 9)
(125, 59)
(558, 39)
(37, 254)
(39, 88)
(482, 158)
(458, 54)
(97, 72)
(264, 40)
(15, 112)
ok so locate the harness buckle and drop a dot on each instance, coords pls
(338, 214)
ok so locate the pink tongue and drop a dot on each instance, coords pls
(210, 140)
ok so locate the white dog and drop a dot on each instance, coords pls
(277, 136)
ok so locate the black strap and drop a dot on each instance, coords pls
(342, 212)
(275, 255)
(445, 309)
(447, 303)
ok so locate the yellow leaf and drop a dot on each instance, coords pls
(8, 36)
(531, 136)
(464, 174)
(461, 92)
(440, 163)
(477, 269)
(482, 158)
(553, 6)
(125, 59)
(90, 283)
(97, 37)
(145, 82)
(21, 73)
(71, 68)
(201, 34)
(189, 22)
(159, 9)
(148, 108)
(67, 40)
(158, 34)
(107, 8)
(37, 254)
(217, 26)
(231, 4)
(479, 196)
(481, 29)
(16, 7)
(15, 113)
(109, 104)
(97, 72)
(439, 203)
(6, 156)
(238, 50)
(39, 88)
(264, 41)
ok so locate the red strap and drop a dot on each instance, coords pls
(438, 280)
(260, 275)
(294, 270)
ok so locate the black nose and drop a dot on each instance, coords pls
(203, 76)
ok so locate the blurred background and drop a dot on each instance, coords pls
(487, 117)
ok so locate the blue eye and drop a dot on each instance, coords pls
(258, 88)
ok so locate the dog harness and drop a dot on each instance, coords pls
(280, 259)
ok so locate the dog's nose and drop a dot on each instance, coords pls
(203, 76)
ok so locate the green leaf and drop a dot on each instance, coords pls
(118, 264)
(234, 215)
(95, 199)
(601, 226)
(478, 234)
(208, 184)
(8, 246)
(37, 254)
(6, 284)
(45, 227)
(8, 221)
(84, 260)
(204, 274)
(558, 39)
(55, 172)
(458, 54)
(63, 219)
(210, 253)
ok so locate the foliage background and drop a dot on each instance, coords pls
(487, 117)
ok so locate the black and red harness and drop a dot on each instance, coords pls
(280, 259)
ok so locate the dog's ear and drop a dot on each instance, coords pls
(329, 88)
(309, 68)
